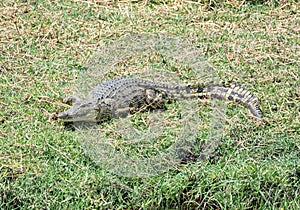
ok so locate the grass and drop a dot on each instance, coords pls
(44, 45)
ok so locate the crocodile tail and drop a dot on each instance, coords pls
(234, 92)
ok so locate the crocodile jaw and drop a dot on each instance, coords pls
(85, 111)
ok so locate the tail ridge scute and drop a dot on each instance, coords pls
(237, 93)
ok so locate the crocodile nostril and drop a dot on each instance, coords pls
(62, 115)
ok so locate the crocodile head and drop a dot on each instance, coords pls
(82, 111)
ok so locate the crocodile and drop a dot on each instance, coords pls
(123, 96)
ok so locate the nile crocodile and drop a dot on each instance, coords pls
(120, 97)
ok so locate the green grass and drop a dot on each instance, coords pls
(44, 45)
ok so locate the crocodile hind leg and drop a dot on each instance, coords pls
(155, 99)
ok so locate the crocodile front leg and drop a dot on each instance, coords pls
(72, 100)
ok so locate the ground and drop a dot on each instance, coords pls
(44, 46)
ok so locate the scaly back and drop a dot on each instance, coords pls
(124, 87)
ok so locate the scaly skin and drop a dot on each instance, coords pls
(120, 97)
